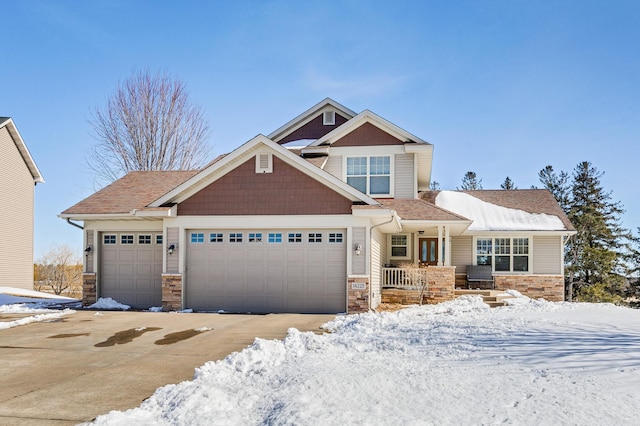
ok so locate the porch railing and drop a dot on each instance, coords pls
(408, 278)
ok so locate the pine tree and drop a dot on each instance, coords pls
(434, 186)
(508, 184)
(558, 184)
(471, 182)
(594, 257)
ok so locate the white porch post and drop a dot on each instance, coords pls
(447, 247)
(439, 245)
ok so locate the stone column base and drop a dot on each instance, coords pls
(171, 292)
(358, 294)
(89, 290)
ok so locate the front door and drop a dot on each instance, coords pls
(428, 251)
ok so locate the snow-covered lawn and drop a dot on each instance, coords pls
(36, 304)
(458, 363)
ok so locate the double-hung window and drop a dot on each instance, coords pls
(370, 174)
(503, 254)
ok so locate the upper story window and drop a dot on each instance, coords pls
(370, 175)
(503, 254)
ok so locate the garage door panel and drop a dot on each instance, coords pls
(131, 273)
(273, 275)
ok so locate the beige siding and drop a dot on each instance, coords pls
(358, 262)
(547, 255)
(334, 166)
(16, 226)
(405, 179)
(172, 260)
(461, 253)
(88, 258)
(377, 260)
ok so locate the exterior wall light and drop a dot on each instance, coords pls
(171, 248)
(87, 250)
(358, 249)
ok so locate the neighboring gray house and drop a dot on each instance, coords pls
(321, 215)
(19, 176)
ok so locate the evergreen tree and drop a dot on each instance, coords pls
(471, 182)
(508, 184)
(558, 184)
(434, 186)
(594, 254)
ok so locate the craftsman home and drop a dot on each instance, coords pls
(17, 182)
(321, 215)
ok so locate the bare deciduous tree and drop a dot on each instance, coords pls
(149, 123)
(59, 269)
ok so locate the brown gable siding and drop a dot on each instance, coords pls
(286, 191)
(313, 129)
(367, 135)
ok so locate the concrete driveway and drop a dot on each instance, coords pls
(73, 369)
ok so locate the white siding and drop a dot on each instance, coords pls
(547, 255)
(358, 262)
(377, 260)
(334, 166)
(461, 253)
(16, 226)
(405, 178)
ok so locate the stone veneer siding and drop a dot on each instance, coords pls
(171, 292)
(89, 291)
(441, 289)
(548, 287)
(358, 294)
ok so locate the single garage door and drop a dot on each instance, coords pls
(131, 268)
(266, 270)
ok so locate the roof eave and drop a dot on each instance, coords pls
(24, 151)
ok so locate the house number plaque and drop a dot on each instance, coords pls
(358, 286)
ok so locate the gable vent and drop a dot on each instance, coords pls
(264, 162)
(329, 118)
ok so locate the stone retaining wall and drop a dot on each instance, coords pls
(548, 287)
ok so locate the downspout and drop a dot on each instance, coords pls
(74, 224)
(370, 236)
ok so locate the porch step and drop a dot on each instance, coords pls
(493, 298)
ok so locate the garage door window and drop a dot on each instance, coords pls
(144, 239)
(197, 237)
(255, 237)
(109, 239)
(235, 237)
(295, 238)
(126, 239)
(335, 237)
(216, 237)
(275, 237)
(158, 239)
(315, 238)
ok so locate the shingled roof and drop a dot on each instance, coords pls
(135, 191)
(528, 200)
(414, 209)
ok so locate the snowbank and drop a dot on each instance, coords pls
(107, 303)
(459, 362)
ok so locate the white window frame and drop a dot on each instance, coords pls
(368, 174)
(264, 162)
(336, 237)
(408, 246)
(112, 239)
(274, 237)
(199, 237)
(129, 238)
(511, 253)
(255, 237)
(216, 237)
(159, 239)
(329, 118)
(144, 239)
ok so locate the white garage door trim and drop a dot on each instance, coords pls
(253, 270)
(131, 268)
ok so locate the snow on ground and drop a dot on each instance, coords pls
(531, 363)
(107, 303)
(491, 217)
(20, 301)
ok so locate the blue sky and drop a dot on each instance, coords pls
(500, 87)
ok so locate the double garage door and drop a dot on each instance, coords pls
(131, 268)
(266, 270)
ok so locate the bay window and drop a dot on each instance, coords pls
(370, 175)
(503, 254)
